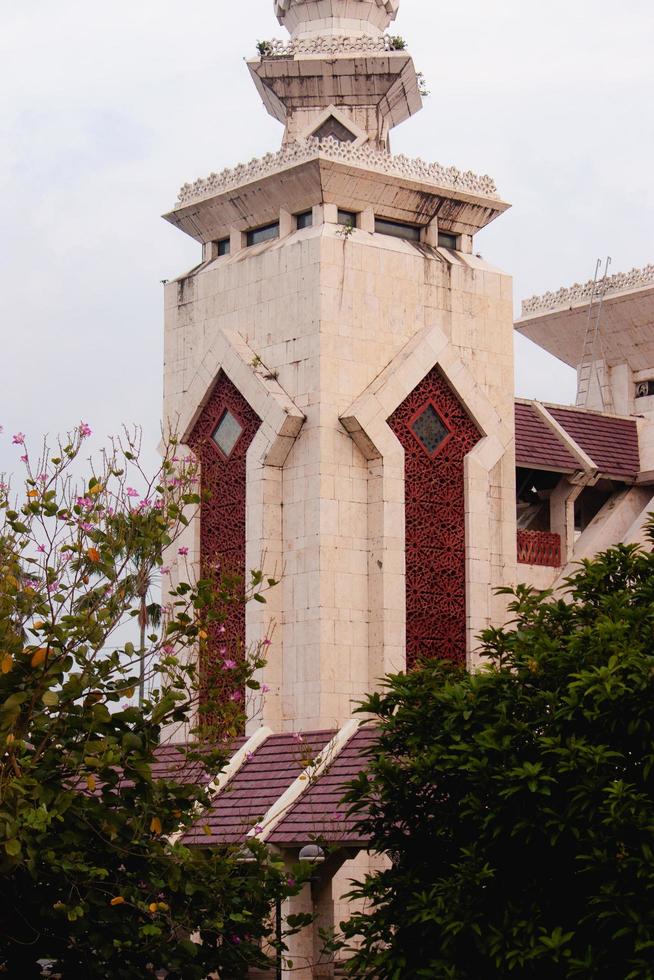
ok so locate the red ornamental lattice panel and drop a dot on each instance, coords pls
(226, 420)
(435, 517)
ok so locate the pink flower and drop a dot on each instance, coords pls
(297, 737)
(84, 430)
(145, 503)
(24, 458)
(168, 648)
(223, 651)
(182, 551)
(229, 664)
(85, 526)
(42, 477)
(131, 492)
(41, 549)
(265, 689)
(85, 502)
(236, 696)
(266, 642)
(165, 569)
(249, 756)
(290, 882)
(158, 504)
(18, 439)
(222, 629)
(258, 829)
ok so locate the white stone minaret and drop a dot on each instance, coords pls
(339, 74)
(342, 330)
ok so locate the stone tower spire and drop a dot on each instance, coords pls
(345, 17)
(339, 75)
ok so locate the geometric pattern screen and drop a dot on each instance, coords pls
(437, 434)
(220, 439)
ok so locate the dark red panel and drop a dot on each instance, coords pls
(539, 548)
(612, 443)
(222, 515)
(435, 524)
(536, 444)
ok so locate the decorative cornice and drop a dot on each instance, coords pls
(390, 6)
(328, 44)
(365, 156)
(579, 293)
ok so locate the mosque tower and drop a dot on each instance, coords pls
(341, 362)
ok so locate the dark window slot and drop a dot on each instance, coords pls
(263, 234)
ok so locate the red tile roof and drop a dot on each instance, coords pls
(258, 784)
(536, 444)
(612, 443)
(318, 813)
(171, 763)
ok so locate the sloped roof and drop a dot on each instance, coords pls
(536, 444)
(318, 813)
(611, 442)
(171, 762)
(259, 783)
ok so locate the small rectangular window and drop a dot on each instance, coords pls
(224, 246)
(397, 229)
(263, 234)
(347, 218)
(447, 240)
(304, 220)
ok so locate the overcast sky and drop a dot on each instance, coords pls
(106, 109)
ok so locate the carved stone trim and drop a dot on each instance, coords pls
(579, 292)
(328, 44)
(365, 156)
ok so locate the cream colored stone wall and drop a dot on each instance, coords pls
(326, 314)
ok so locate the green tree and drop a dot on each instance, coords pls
(516, 803)
(93, 874)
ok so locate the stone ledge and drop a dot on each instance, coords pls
(583, 293)
(364, 156)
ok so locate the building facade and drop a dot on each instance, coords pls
(341, 363)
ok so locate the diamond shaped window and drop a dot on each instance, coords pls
(334, 128)
(429, 429)
(227, 433)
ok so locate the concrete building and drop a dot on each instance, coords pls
(341, 363)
